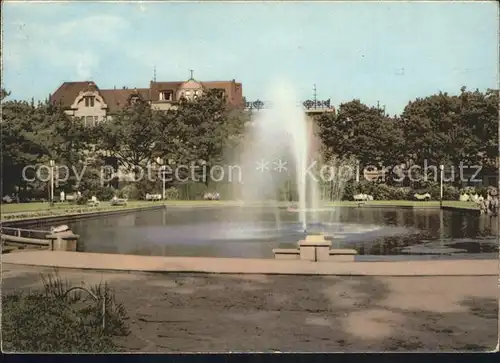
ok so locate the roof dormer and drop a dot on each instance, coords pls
(190, 90)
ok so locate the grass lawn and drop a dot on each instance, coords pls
(37, 207)
(409, 203)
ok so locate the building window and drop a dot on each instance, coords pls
(166, 95)
(220, 93)
(197, 94)
(89, 101)
(91, 121)
(134, 100)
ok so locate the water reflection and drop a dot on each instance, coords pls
(206, 232)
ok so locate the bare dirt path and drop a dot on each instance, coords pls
(210, 312)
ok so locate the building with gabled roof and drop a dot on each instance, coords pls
(86, 100)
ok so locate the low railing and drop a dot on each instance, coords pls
(24, 232)
(24, 236)
(24, 240)
(308, 105)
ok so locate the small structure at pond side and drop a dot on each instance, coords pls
(62, 239)
(317, 249)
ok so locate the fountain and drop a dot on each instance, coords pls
(281, 145)
(278, 146)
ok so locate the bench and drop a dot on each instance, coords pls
(93, 203)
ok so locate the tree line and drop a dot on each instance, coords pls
(438, 129)
(196, 132)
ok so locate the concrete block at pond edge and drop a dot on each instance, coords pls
(323, 253)
(63, 241)
(308, 253)
(315, 248)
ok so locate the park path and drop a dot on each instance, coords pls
(233, 312)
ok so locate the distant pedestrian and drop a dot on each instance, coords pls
(494, 206)
(484, 206)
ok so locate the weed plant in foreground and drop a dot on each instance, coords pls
(50, 320)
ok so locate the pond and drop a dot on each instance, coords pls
(250, 232)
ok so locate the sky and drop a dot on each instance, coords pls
(387, 52)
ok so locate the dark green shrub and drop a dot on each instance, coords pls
(382, 191)
(172, 193)
(146, 186)
(363, 187)
(482, 191)
(349, 190)
(451, 193)
(131, 191)
(399, 193)
(468, 190)
(121, 194)
(410, 193)
(435, 191)
(105, 193)
(85, 197)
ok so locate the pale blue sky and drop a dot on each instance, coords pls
(390, 52)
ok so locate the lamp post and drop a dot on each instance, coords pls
(441, 168)
(163, 168)
(51, 197)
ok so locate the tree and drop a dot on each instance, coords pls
(131, 135)
(20, 147)
(65, 139)
(199, 131)
(3, 94)
(366, 133)
(444, 129)
(479, 114)
(34, 134)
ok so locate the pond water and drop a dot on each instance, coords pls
(376, 233)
